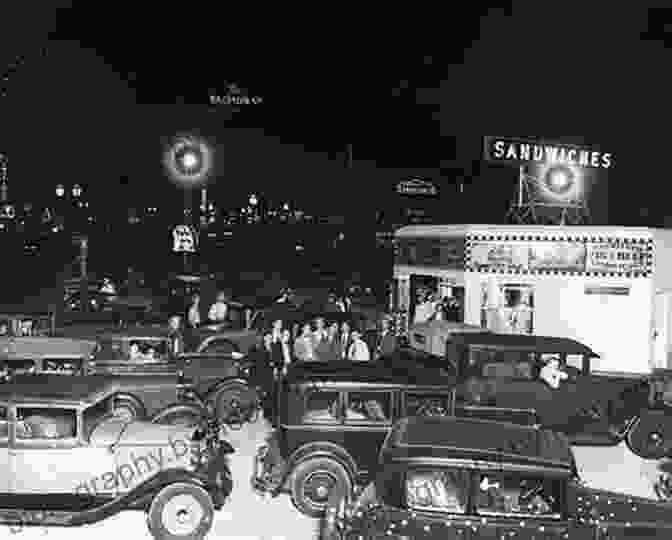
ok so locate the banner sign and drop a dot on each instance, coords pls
(511, 150)
(185, 239)
(567, 256)
(415, 186)
(447, 253)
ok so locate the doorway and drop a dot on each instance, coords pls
(662, 357)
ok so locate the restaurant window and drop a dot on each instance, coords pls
(322, 407)
(507, 308)
(515, 495)
(442, 490)
(369, 407)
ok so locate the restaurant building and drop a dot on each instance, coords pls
(608, 287)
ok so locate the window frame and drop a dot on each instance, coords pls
(405, 393)
(346, 400)
(64, 442)
(215, 342)
(325, 422)
(504, 473)
(419, 469)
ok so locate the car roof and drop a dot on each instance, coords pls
(70, 390)
(541, 344)
(388, 371)
(132, 333)
(450, 438)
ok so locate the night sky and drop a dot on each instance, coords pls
(112, 86)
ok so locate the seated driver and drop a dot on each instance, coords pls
(552, 374)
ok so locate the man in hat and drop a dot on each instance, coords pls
(387, 341)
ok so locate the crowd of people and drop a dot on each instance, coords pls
(317, 341)
(430, 306)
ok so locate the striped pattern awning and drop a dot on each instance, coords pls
(503, 266)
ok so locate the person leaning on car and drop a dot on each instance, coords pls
(175, 335)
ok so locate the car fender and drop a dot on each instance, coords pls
(134, 399)
(324, 449)
(140, 497)
(231, 382)
(195, 408)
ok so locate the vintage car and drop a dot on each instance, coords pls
(590, 407)
(68, 462)
(473, 479)
(22, 324)
(432, 337)
(46, 355)
(332, 418)
(239, 336)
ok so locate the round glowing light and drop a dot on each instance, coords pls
(188, 161)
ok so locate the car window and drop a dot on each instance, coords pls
(509, 365)
(508, 494)
(220, 346)
(321, 407)
(45, 423)
(437, 490)
(426, 404)
(575, 360)
(148, 350)
(368, 406)
(4, 424)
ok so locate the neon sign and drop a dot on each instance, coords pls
(508, 150)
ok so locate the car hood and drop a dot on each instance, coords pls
(618, 509)
(138, 433)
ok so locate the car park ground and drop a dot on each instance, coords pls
(250, 517)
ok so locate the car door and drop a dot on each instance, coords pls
(51, 458)
(367, 417)
(522, 505)
(5, 472)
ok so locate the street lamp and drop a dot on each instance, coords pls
(188, 162)
(60, 191)
(76, 191)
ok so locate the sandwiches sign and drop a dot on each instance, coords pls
(508, 150)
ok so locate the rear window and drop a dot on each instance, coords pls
(322, 407)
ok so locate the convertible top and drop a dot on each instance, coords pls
(511, 342)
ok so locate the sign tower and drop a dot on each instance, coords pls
(554, 181)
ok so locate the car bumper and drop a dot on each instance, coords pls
(269, 472)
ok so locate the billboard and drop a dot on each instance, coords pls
(560, 174)
(541, 256)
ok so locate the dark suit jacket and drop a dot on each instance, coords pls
(328, 352)
(386, 345)
(344, 349)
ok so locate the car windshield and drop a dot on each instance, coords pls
(94, 414)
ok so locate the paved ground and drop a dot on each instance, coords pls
(252, 518)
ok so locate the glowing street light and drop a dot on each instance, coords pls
(559, 180)
(60, 190)
(254, 200)
(76, 190)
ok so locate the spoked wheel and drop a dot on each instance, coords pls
(181, 511)
(314, 481)
(648, 441)
(235, 404)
